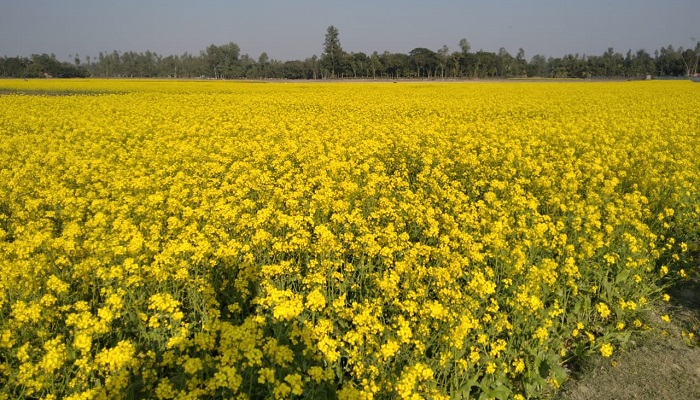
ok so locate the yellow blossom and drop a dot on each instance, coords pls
(606, 349)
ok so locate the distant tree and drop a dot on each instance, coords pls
(630, 64)
(222, 60)
(487, 64)
(14, 67)
(128, 63)
(468, 61)
(315, 66)
(193, 66)
(333, 54)
(464, 46)
(294, 70)
(101, 63)
(455, 63)
(690, 58)
(613, 63)
(245, 67)
(359, 64)
(226, 61)
(504, 63)
(520, 63)
(116, 64)
(643, 63)
(395, 64)
(43, 65)
(669, 62)
(311, 69)
(537, 66)
(169, 66)
(573, 66)
(424, 61)
(444, 57)
(375, 65)
(260, 69)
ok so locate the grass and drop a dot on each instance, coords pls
(662, 364)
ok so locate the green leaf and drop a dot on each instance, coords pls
(622, 276)
(500, 392)
(605, 283)
(559, 373)
(531, 389)
(462, 392)
(544, 369)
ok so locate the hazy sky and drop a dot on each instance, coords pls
(295, 29)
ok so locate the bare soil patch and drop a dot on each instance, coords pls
(663, 364)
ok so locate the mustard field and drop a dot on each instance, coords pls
(164, 239)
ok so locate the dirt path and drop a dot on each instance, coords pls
(657, 366)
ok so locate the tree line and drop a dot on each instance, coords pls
(227, 62)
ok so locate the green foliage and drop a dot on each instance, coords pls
(227, 62)
(333, 54)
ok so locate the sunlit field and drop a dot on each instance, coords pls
(165, 239)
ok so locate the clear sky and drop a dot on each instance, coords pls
(289, 30)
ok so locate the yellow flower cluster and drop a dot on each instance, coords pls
(257, 240)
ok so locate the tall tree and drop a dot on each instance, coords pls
(643, 63)
(395, 64)
(537, 66)
(376, 65)
(222, 60)
(465, 46)
(520, 62)
(332, 57)
(424, 61)
(690, 58)
(669, 62)
(504, 63)
(358, 63)
(444, 54)
(467, 60)
(263, 64)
